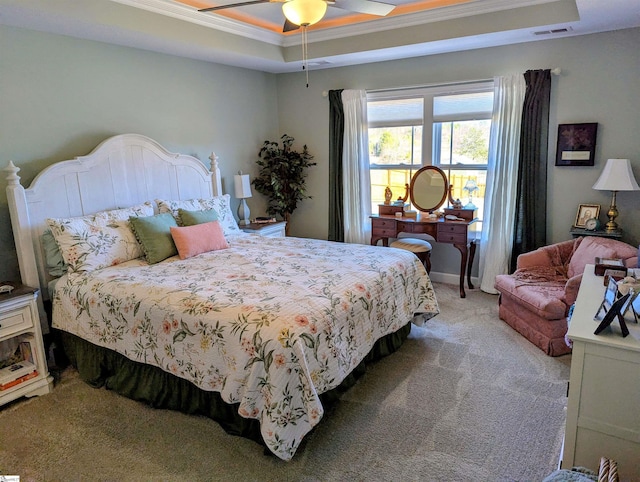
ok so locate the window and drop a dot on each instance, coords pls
(454, 120)
(395, 145)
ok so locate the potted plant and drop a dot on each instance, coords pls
(282, 176)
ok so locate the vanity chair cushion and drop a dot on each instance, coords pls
(535, 300)
(420, 247)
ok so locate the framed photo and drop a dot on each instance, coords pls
(613, 313)
(610, 297)
(586, 211)
(576, 144)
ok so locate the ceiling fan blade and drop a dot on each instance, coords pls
(365, 6)
(233, 5)
(289, 26)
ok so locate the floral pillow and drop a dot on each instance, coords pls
(98, 240)
(218, 203)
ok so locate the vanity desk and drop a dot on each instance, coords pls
(385, 226)
(429, 190)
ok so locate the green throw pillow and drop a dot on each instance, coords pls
(52, 254)
(190, 218)
(154, 234)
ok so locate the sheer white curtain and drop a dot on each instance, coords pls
(355, 168)
(502, 176)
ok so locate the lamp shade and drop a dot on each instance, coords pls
(304, 12)
(471, 186)
(242, 185)
(617, 176)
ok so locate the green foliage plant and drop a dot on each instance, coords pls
(282, 176)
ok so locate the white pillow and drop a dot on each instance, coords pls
(98, 240)
(218, 203)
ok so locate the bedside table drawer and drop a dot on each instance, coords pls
(452, 233)
(15, 320)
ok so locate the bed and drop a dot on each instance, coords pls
(257, 333)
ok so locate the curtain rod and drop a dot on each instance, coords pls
(554, 71)
(427, 86)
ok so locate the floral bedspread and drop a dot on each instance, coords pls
(269, 323)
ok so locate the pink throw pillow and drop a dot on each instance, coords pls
(589, 248)
(198, 239)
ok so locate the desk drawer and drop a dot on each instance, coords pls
(383, 227)
(420, 228)
(452, 233)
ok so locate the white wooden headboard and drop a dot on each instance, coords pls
(122, 171)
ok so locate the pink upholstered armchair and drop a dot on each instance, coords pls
(535, 300)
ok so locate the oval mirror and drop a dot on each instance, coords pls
(429, 187)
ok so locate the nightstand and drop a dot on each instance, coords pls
(272, 230)
(19, 322)
(575, 232)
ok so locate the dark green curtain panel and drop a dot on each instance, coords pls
(336, 139)
(531, 202)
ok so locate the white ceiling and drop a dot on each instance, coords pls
(253, 38)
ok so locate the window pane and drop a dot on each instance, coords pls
(475, 105)
(395, 112)
(395, 145)
(458, 179)
(394, 178)
(465, 142)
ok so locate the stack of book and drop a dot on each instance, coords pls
(20, 371)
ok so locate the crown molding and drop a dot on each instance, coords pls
(217, 22)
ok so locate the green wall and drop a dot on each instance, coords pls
(60, 97)
(599, 83)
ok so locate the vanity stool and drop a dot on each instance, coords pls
(420, 247)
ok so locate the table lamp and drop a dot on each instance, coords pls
(470, 187)
(616, 176)
(242, 185)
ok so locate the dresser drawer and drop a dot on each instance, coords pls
(452, 233)
(14, 321)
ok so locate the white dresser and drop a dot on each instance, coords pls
(603, 410)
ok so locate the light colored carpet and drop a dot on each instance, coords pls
(465, 398)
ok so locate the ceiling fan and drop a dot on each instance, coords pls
(308, 12)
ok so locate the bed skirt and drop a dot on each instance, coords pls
(101, 367)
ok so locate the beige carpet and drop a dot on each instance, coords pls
(465, 398)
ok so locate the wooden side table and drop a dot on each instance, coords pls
(272, 230)
(19, 322)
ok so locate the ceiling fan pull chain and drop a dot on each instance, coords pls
(305, 52)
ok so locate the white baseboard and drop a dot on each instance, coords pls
(452, 279)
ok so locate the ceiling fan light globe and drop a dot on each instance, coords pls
(304, 12)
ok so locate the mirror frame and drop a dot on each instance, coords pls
(445, 192)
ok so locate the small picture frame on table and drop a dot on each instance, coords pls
(576, 144)
(610, 297)
(586, 212)
(613, 306)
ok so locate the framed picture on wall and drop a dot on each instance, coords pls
(576, 144)
(586, 212)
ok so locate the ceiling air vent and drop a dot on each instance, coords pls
(319, 63)
(553, 31)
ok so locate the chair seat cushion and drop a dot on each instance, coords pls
(545, 300)
(412, 244)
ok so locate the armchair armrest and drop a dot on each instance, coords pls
(538, 257)
(571, 289)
